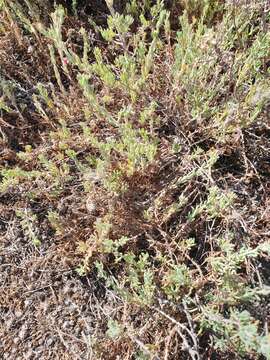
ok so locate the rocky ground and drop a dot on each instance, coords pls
(46, 311)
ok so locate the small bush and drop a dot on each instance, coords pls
(150, 160)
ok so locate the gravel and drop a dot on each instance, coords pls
(45, 310)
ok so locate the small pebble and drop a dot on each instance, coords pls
(16, 340)
(18, 313)
(49, 341)
(30, 49)
(66, 325)
(22, 332)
